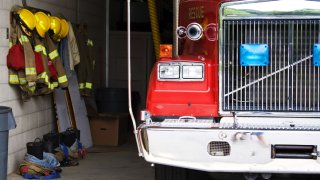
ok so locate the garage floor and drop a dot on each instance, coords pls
(123, 163)
(108, 163)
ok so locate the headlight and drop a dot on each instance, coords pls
(181, 71)
(192, 72)
(169, 72)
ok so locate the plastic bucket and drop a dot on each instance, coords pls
(7, 122)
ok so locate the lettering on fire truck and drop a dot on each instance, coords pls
(196, 12)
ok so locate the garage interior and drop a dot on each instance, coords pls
(37, 116)
(109, 156)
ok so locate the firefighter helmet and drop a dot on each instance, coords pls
(26, 20)
(55, 25)
(43, 23)
(64, 29)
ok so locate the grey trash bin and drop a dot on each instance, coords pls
(7, 122)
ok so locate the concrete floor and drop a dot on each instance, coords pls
(123, 163)
(108, 163)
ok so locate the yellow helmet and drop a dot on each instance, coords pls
(43, 23)
(28, 21)
(28, 18)
(55, 25)
(64, 29)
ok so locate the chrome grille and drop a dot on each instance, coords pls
(290, 83)
(219, 148)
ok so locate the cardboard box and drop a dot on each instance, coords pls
(109, 129)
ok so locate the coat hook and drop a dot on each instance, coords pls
(24, 3)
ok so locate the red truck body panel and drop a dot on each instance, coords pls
(199, 99)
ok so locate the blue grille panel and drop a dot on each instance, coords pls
(316, 55)
(254, 55)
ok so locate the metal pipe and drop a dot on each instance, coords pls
(154, 26)
(78, 11)
(175, 26)
(129, 76)
(107, 42)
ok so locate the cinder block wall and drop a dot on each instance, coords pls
(36, 117)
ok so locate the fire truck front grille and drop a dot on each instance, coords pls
(219, 148)
(290, 83)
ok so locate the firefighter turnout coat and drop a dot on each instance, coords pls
(86, 67)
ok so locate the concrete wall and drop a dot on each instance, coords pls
(142, 58)
(36, 117)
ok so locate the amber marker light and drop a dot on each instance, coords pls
(165, 51)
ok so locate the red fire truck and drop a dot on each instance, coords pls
(242, 93)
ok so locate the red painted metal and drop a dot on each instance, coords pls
(184, 98)
(199, 99)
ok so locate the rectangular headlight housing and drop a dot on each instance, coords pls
(181, 71)
(167, 71)
(192, 72)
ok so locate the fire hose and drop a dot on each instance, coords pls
(154, 26)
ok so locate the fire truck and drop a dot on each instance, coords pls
(241, 92)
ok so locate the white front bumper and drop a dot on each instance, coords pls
(188, 148)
